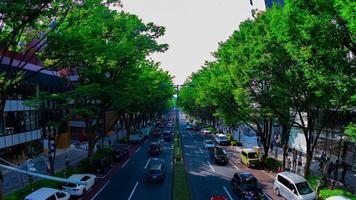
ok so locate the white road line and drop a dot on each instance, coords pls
(211, 166)
(201, 151)
(234, 165)
(133, 190)
(195, 141)
(106, 184)
(125, 163)
(148, 161)
(138, 149)
(227, 192)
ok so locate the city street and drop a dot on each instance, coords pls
(129, 182)
(207, 179)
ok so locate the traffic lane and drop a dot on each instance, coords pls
(150, 190)
(122, 182)
(206, 179)
(266, 179)
(130, 181)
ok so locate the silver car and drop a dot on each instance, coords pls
(293, 187)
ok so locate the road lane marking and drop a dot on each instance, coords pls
(125, 163)
(133, 190)
(138, 149)
(201, 151)
(106, 184)
(195, 141)
(227, 192)
(148, 161)
(211, 166)
(234, 165)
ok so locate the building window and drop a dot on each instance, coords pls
(20, 121)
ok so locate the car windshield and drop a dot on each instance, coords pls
(304, 188)
(222, 137)
(155, 171)
(209, 142)
(252, 155)
(250, 185)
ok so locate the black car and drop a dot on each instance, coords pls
(102, 165)
(167, 136)
(156, 171)
(154, 149)
(246, 186)
(218, 155)
(120, 152)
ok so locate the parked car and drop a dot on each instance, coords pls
(338, 197)
(120, 152)
(102, 165)
(292, 186)
(156, 171)
(219, 156)
(79, 190)
(221, 139)
(249, 157)
(167, 136)
(205, 131)
(136, 137)
(156, 132)
(154, 149)
(208, 144)
(246, 186)
(169, 125)
(46, 193)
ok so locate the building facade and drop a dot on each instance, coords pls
(269, 3)
(23, 127)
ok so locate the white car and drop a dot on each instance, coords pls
(338, 197)
(221, 139)
(136, 137)
(205, 131)
(208, 144)
(79, 190)
(46, 193)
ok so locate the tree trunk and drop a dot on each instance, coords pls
(285, 141)
(91, 135)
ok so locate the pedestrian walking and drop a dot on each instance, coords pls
(67, 161)
(289, 164)
(294, 159)
(300, 163)
(48, 167)
(326, 167)
(272, 144)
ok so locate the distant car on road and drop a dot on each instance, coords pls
(167, 136)
(120, 152)
(293, 186)
(208, 144)
(218, 198)
(46, 193)
(136, 137)
(156, 132)
(154, 149)
(246, 186)
(221, 139)
(219, 156)
(79, 190)
(249, 157)
(156, 171)
(205, 131)
(189, 127)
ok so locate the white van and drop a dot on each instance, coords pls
(293, 187)
(48, 194)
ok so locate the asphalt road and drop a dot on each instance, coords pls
(207, 179)
(130, 182)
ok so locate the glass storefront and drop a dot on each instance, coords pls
(19, 121)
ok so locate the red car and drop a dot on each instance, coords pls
(218, 198)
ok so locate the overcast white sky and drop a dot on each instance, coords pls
(193, 28)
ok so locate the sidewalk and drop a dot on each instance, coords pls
(350, 177)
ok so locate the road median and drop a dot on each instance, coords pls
(180, 179)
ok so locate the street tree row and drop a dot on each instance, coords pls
(105, 48)
(285, 66)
